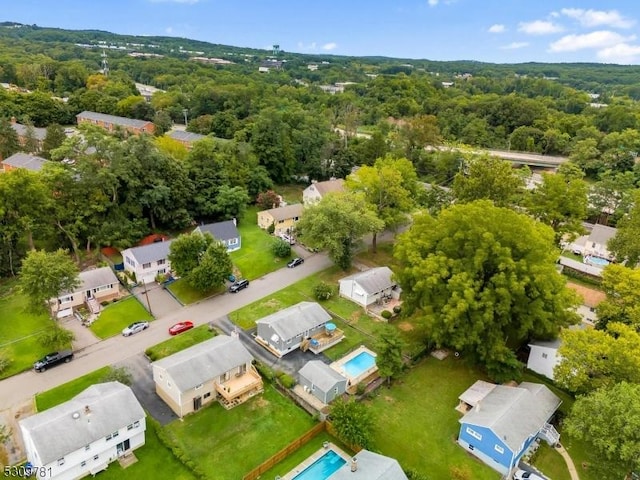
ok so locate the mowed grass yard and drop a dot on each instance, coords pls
(19, 330)
(186, 294)
(226, 444)
(417, 424)
(117, 316)
(180, 342)
(255, 258)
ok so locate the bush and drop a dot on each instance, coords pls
(287, 381)
(265, 372)
(5, 361)
(271, 228)
(397, 309)
(281, 249)
(119, 374)
(56, 338)
(322, 291)
(386, 314)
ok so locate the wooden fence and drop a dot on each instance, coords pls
(285, 452)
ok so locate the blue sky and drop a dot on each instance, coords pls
(502, 31)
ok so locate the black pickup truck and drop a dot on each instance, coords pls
(51, 359)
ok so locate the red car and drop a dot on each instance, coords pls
(181, 327)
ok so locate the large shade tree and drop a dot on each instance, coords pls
(626, 243)
(483, 279)
(622, 286)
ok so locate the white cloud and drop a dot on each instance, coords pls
(515, 45)
(330, 46)
(539, 27)
(433, 3)
(497, 28)
(620, 53)
(595, 18)
(599, 39)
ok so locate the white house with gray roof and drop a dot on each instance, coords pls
(225, 232)
(369, 286)
(506, 421)
(321, 381)
(95, 286)
(284, 331)
(596, 243)
(147, 261)
(84, 435)
(367, 465)
(217, 369)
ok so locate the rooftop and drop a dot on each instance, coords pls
(294, 320)
(122, 121)
(184, 136)
(321, 375)
(285, 213)
(222, 231)
(151, 252)
(373, 280)
(25, 160)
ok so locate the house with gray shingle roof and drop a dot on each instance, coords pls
(39, 134)
(225, 232)
(147, 261)
(84, 435)
(367, 465)
(321, 381)
(112, 122)
(317, 190)
(217, 369)
(284, 331)
(369, 286)
(24, 160)
(283, 219)
(185, 138)
(505, 422)
(95, 286)
(596, 243)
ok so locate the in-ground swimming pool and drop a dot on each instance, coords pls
(322, 468)
(359, 364)
(596, 261)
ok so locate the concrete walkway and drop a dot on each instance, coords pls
(570, 465)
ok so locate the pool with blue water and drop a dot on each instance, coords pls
(322, 468)
(359, 364)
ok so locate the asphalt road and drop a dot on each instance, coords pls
(116, 349)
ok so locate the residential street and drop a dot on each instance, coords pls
(113, 350)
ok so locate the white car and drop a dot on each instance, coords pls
(287, 238)
(524, 475)
(135, 328)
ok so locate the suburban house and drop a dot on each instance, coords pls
(296, 326)
(112, 122)
(370, 286)
(321, 381)
(39, 134)
(543, 356)
(596, 244)
(366, 465)
(185, 138)
(591, 298)
(217, 369)
(84, 435)
(282, 218)
(225, 232)
(504, 422)
(23, 160)
(96, 286)
(147, 261)
(314, 192)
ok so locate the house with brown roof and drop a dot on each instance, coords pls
(317, 190)
(112, 122)
(283, 219)
(591, 298)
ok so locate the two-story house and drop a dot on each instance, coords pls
(84, 435)
(283, 219)
(147, 261)
(217, 369)
(225, 232)
(317, 190)
(96, 286)
(112, 122)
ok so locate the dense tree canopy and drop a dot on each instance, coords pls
(483, 279)
(622, 286)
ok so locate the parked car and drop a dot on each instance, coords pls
(524, 475)
(180, 327)
(135, 328)
(52, 359)
(238, 285)
(288, 238)
(295, 262)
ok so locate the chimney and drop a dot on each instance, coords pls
(235, 222)
(87, 410)
(354, 464)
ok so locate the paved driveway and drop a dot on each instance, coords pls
(145, 389)
(161, 301)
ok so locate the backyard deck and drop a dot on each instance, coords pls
(321, 341)
(240, 388)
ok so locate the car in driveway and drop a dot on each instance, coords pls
(238, 285)
(524, 475)
(295, 262)
(135, 327)
(180, 327)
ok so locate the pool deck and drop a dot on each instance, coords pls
(338, 366)
(315, 456)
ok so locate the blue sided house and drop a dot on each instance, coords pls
(502, 422)
(225, 232)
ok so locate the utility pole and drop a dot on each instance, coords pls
(185, 111)
(146, 295)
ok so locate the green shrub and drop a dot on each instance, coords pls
(322, 291)
(287, 381)
(265, 372)
(361, 388)
(271, 228)
(281, 249)
(386, 314)
(5, 360)
(397, 309)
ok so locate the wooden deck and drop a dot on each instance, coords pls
(240, 388)
(324, 340)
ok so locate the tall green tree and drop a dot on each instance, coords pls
(622, 304)
(45, 276)
(593, 359)
(337, 223)
(609, 420)
(488, 178)
(389, 347)
(626, 243)
(483, 279)
(9, 143)
(231, 202)
(54, 139)
(389, 187)
(31, 143)
(353, 422)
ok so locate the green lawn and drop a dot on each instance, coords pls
(291, 192)
(19, 330)
(572, 256)
(180, 342)
(416, 422)
(187, 294)
(228, 443)
(66, 391)
(118, 315)
(551, 463)
(300, 455)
